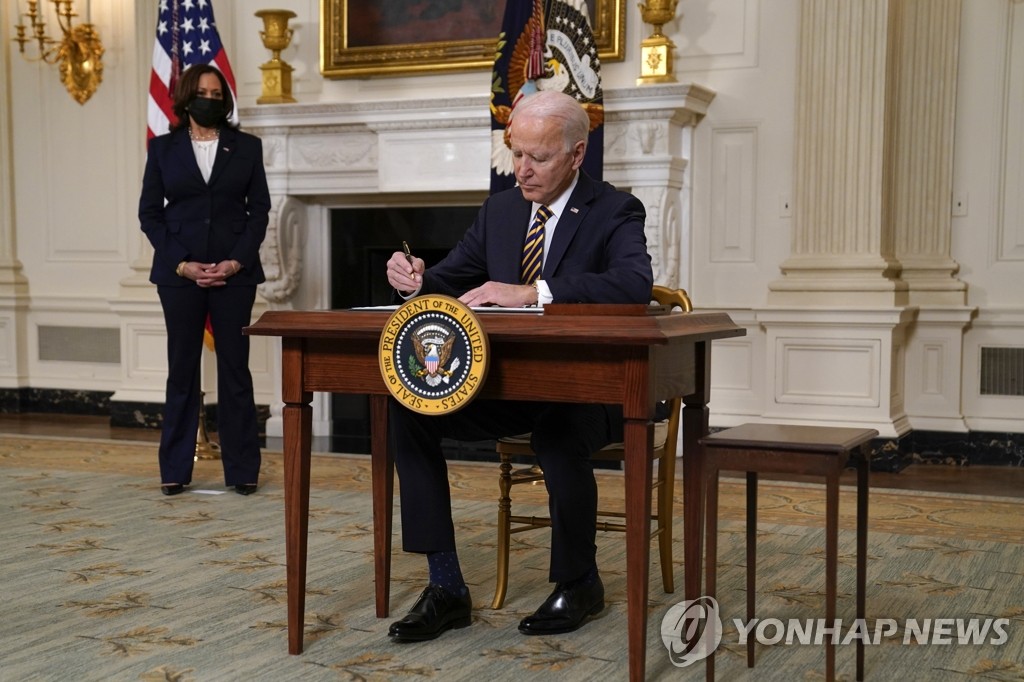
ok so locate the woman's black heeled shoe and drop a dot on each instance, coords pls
(245, 488)
(172, 489)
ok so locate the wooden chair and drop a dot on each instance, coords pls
(665, 437)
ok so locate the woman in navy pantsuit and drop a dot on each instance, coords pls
(204, 208)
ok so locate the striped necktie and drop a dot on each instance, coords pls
(533, 247)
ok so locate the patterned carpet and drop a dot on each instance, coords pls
(106, 579)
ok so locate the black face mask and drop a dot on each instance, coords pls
(207, 112)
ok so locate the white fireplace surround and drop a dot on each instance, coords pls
(437, 152)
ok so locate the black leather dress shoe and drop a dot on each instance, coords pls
(436, 611)
(566, 609)
(172, 489)
(245, 488)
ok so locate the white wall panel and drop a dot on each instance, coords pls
(733, 365)
(717, 34)
(733, 194)
(56, 312)
(1011, 226)
(8, 345)
(992, 329)
(989, 117)
(827, 372)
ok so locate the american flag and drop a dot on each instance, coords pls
(186, 34)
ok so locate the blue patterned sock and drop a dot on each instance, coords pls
(445, 571)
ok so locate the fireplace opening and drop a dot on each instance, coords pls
(362, 241)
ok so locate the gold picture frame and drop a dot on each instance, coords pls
(361, 38)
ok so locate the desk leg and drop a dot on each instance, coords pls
(695, 427)
(298, 429)
(383, 474)
(639, 436)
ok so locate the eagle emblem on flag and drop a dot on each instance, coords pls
(545, 46)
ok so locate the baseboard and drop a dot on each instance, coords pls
(98, 403)
(54, 401)
(890, 454)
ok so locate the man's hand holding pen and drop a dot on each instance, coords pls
(405, 271)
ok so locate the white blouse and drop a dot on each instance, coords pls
(206, 152)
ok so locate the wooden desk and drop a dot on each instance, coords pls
(631, 360)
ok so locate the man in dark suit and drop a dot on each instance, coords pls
(559, 236)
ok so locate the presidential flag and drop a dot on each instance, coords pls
(186, 34)
(545, 45)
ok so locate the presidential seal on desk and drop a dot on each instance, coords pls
(433, 354)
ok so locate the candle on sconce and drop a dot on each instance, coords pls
(20, 28)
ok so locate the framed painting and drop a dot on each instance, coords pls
(361, 38)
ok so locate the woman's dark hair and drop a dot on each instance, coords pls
(188, 85)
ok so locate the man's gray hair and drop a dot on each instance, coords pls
(558, 105)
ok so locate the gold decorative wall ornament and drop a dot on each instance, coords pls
(656, 50)
(277, 74)
(78, 52)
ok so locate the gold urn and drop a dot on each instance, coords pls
(277, 74)
(656, 50)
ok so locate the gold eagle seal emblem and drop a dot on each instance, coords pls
(433, 354)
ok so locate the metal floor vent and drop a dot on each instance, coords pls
(79, 344)
(1002, 371)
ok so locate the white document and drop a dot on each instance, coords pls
(533, 310)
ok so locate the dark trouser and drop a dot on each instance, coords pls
(564, 436)
(230, 309)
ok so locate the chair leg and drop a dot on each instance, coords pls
(751, 557)
(666, 492)
(711, 550)
(504, 531)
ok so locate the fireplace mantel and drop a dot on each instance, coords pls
(335, 154)
(437, 152)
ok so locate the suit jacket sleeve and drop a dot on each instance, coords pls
(151, 207)
(257, 205)
(465, 266)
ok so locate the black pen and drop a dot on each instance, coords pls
(408, 253)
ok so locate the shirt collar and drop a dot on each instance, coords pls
(558, 205)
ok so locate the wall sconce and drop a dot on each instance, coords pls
(79, 52)
(656, 49)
